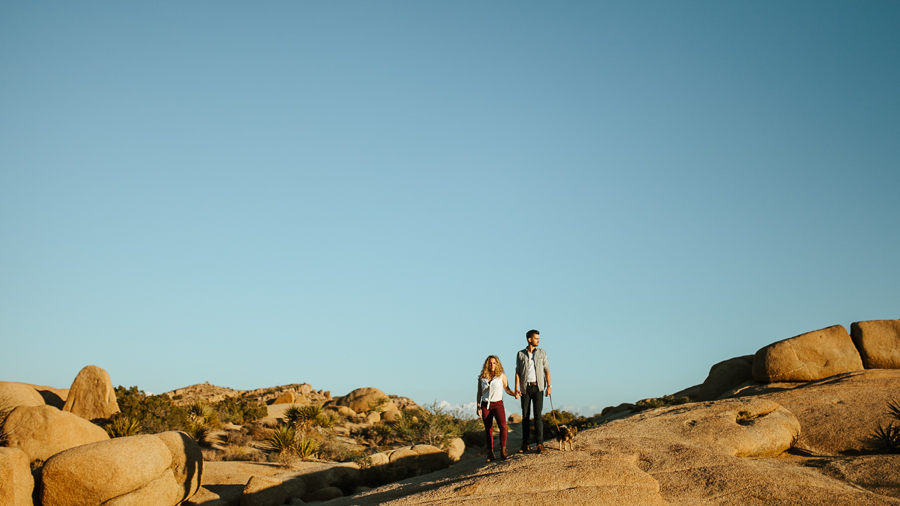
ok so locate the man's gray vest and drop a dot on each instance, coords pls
(540, 365)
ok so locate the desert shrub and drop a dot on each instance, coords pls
(432, 425)
(381, 433)
(154, 413)
(122, 426)
(327, 419)
(561, 417)
(886, 438)
(239, 453)
(238, 438)
(306, 447)
(660, 402)
(238, 410)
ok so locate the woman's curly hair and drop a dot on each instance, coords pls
(486, 368)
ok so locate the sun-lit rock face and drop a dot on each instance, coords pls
(808, 357)
(878, 342)
(92, 395)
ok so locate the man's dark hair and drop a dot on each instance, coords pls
(531, 333)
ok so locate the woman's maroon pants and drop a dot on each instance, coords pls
(489, 412)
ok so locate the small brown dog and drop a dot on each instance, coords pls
(566, 437)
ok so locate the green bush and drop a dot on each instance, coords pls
(561, 417)
(239, 410)
(432, 425)
(153, 413)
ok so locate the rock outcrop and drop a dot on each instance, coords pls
(725, 376)
(148, 470)
(14, 394)
(92, 395)
(808, 357)
(16, 482)
(362, 400)
(43, 431)
(878, 342)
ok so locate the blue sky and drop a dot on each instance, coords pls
(382, 194)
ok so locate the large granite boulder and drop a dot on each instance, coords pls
(148, 470)
(364, 399)
(838, 414)
(16, 482)
(725, 376)
(807, 357)
(14, 394)
(92, 395)
(878, 342)
(43, 431)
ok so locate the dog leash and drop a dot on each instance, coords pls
(553, 413)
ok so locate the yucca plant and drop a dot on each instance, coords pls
(887, 438)
(327, 419)
(306, 447)
(203, 414)
(123, 426)
(199, 432)
(282, 439)
(303, 416)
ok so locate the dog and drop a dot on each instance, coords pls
(566, 437)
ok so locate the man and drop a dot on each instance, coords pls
(532, 381)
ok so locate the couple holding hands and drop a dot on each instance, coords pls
(532, 384)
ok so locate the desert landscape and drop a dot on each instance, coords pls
(811, 419)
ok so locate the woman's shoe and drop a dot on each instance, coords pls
(503, 454)
(491, 456)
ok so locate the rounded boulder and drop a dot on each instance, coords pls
(43, 431)
(808, 357)
(878, 342)
(364, 399)
(148, 470)
(13, 395)
(92, 395)
(15, 475)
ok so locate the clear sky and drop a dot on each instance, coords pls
(382, 194)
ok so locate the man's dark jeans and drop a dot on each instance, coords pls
(531, 396)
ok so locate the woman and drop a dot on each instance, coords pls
(491, 384)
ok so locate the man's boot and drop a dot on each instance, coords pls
(540, 448)
(524, 448)
(490, 456)
(503, 454)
